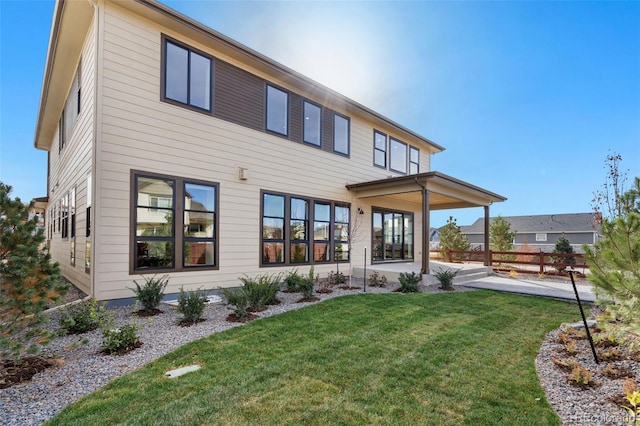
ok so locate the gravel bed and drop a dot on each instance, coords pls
(84, 369)
(574, 405)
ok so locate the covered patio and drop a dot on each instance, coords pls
(432, 191)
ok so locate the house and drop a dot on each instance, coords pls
(173, 149)
(541, 232)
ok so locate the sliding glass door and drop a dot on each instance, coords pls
(392, 235)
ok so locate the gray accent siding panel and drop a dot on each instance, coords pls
(327, 129)
(295, 117)
(238, 96)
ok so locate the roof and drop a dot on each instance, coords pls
(445, 192)
(549, 223)
(71, 20)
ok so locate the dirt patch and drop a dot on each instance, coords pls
(122, 351)
(235, 318)
(309, 299)
(144, 314)
(12, 373)
(185, 323)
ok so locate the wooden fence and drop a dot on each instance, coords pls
(500, 258)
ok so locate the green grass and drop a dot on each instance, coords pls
(386, 359)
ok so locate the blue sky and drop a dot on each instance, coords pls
(528, 98)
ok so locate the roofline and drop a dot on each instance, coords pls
(270, 63)
(427, 176)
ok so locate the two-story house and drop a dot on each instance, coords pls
(176, 150)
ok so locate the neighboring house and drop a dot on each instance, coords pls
(541, 232)
(434, 238)
(175, 150)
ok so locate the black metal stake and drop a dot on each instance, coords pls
(584, 319)
(364, 277)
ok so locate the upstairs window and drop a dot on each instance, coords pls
(340, 134)
(414, 160)
(380, 149)
(277, 110)
(187, 76)
(71, 111)
(312, 123)
(398, 156)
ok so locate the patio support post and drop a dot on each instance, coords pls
(426, 231)
(487, 260)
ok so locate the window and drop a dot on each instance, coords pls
(380, 149)
(341, 233)
(414, 160)
(88, 218)
(277, 110)
(186, 76)
(398, 156)
(286, 237)
(72, 211)
(392, 233)
(70, 112)
(340, 134)
(273, 228)
(162, 207)
(311, 124)
(65, 216)
(541, 237)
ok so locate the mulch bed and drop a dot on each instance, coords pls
(142, 313)
(235, 318)
(12, 373)
(257, 309)
(185, 323)
(310, 299)
(324, 291)
(346, 287)
(274, 302)
(122, 351)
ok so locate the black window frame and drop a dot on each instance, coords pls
(287, 240)
(178, 238)
(333, 137)
(406, 155)
(304, 123)
(416, 163)
(163, 76)
(376, 149)
(266, 110)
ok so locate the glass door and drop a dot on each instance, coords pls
(392, 234)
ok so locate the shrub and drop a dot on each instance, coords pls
(150, 294)
(306, 285)
(445, 276)
(29, 280)
(80, 318)
(377, 280)
(336, 278)
(571, 347)
(191, 305)
(452, 238)
(293, 280)
(261, 290)
(409, 282)
(581, 376)
(563, 246)
(567, 365)
(120, 340)
(238, 299)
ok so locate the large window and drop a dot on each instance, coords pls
(340, 134)
(398, 156)
(414, 160)
(71, 110)
(277, 110)
(175, 223)
(65, 216)
(286, 234)
(392, 235)
(187, 76)
(380, 149)
(312, 123)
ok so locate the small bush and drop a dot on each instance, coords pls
(80, 318)
(120, 340)
(581, 376)
(191, 305)
(306, 285)
(567, 365)
(571, 347)
(446, 276)
(238, 299)
(409, 282)
(261, 290)
(150, 293)
(377, 280)
(293, 280)
(336, 278)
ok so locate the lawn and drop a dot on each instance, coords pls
(386, 359)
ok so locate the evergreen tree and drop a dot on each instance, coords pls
(500, 235)
(614, 263)
(563, 246)
(28, 279)
(451, 238)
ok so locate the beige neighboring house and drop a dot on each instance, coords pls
(176, 150)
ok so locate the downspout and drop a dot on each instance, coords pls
(94, 178)
(425, 228)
